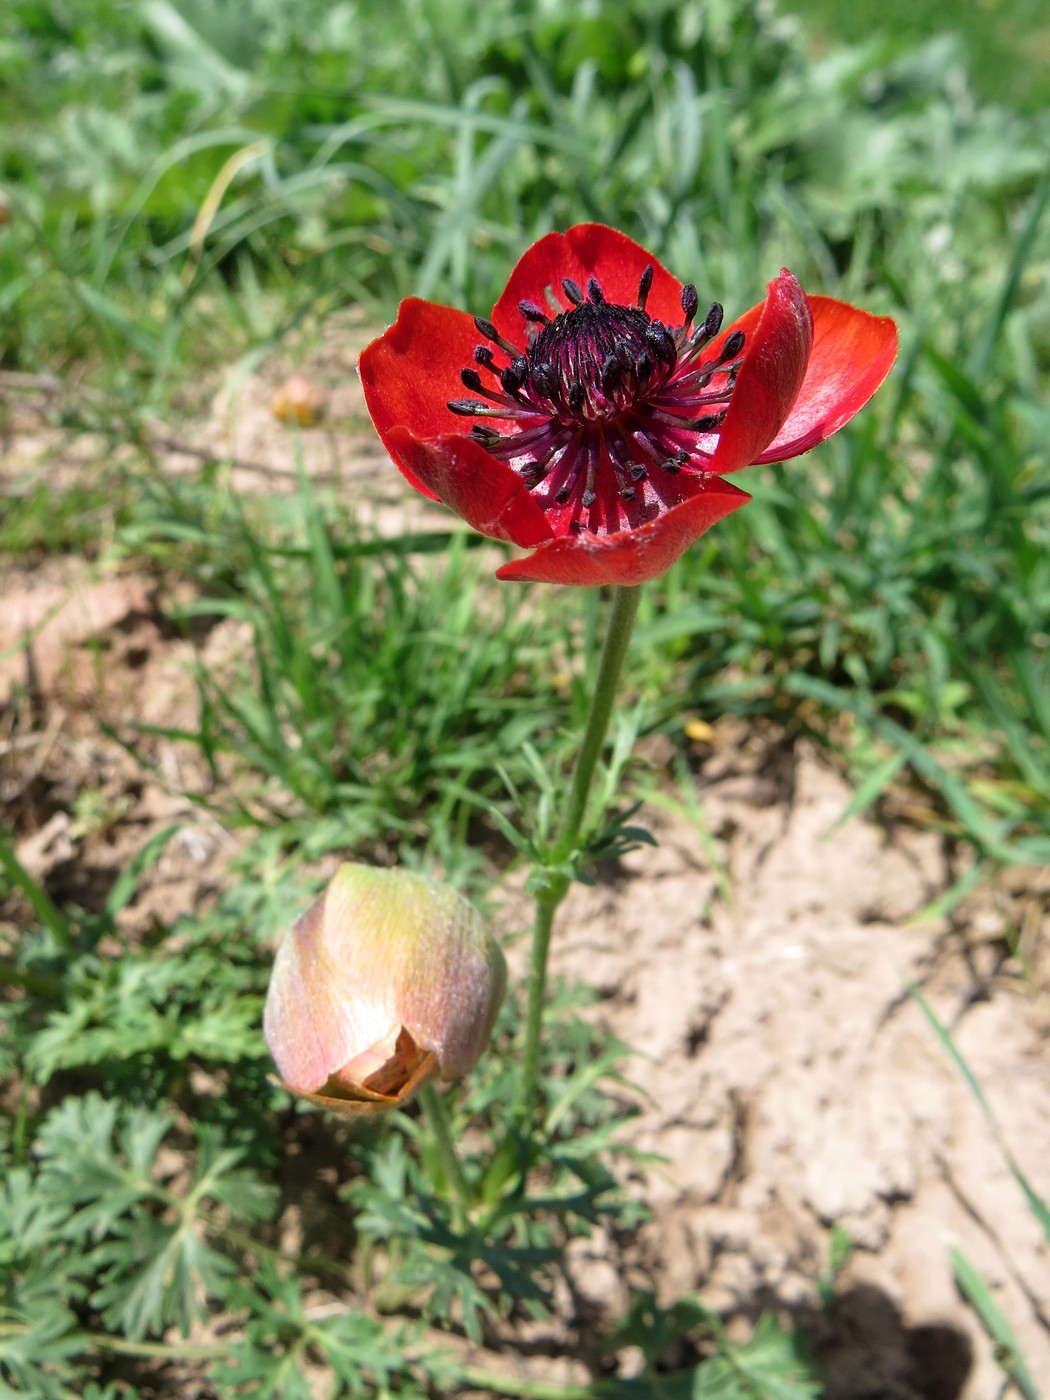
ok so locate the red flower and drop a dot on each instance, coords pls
(605, 415)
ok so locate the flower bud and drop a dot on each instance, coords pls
(388, 979)
(299, 400)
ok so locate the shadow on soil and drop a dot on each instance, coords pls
(865, 1350)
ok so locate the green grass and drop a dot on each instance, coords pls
(378, 702)
(190, 185)
(1004, 47)
(370, 163)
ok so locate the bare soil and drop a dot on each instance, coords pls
(793, 1083)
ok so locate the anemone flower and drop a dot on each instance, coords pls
(604, 408)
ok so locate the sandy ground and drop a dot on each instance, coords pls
(794, 1083)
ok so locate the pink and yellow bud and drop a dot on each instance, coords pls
(299, 400)
(388, 979)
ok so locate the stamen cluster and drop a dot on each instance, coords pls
(601, 395)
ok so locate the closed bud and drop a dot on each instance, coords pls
(299, 400)
(388, 979)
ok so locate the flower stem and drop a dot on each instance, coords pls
(617, 639)
(437, 1120)
(543, 927)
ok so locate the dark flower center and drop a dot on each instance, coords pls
(604, 406)
(592, 362)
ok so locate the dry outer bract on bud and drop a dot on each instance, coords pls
(388, 979)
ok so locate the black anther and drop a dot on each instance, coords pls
(513, 377)
(645, 283)
(612, 375)
(662, 342)
(732, 348)
(544, 381)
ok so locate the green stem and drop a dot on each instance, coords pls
(44, 987)
(160, 1351)
(40, 901)
(526, 1389)
(546, 907)
(617, 639)
(437, 1120)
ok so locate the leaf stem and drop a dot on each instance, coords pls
(40, 901)
(160, 1351)
(47, 988)
(567, 836)
(526, 1389)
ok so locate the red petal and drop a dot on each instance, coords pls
(477, 486)
(586, 250)
(631, 556)
(852, 354)
(410, 373)
(779, 334)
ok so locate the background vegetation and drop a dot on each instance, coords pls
(188, 184)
